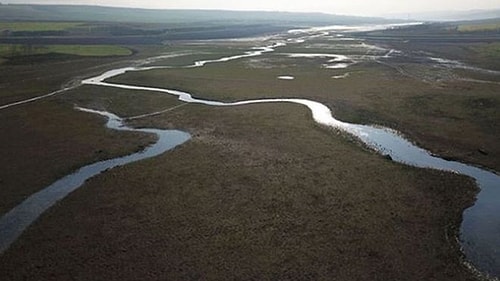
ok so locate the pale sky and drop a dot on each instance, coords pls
(350, 7)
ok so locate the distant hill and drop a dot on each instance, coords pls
(450, 15)
(69, 24)
(12, 12)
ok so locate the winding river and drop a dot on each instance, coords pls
(479, 233)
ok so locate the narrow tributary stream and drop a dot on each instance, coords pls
(13, 223)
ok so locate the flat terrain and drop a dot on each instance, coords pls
(491, 25)
(12, 50)
(239, 202)
(49, 140)
(46, 140)
(409, 97)
(37, 26)
(261, 191)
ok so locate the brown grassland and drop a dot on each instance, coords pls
(260, 192)
(432, 113)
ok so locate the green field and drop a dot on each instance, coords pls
(489, 51)
(37, 26)
(479, 27)
(11, 50)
